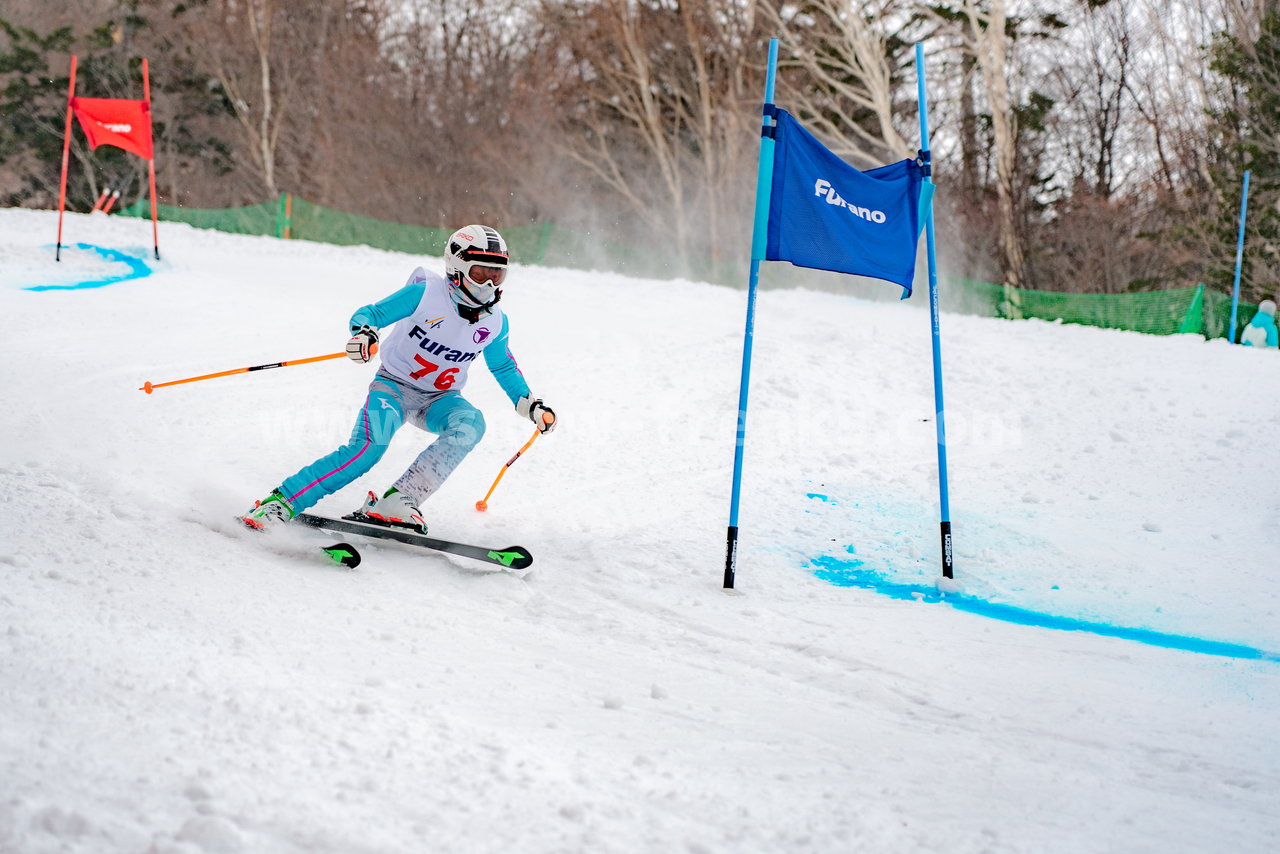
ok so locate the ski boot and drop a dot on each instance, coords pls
(395, 509)
(269, 512)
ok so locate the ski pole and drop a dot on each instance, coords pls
(483, 503)
(149, 386)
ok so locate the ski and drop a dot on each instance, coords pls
(343, 554)
(511, 558)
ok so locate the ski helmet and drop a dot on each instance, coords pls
(475, 262)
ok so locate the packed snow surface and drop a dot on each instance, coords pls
(170, 684)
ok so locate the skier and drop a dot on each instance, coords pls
(442, 325)
(1261, 331)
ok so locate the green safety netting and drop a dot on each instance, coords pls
(254, 219)
(1195, 310)
(1217, 315)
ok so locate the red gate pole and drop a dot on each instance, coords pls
(66, 147)
(151, 163)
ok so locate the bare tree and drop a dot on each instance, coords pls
(480, 95)
(1092, 89)
(661, 114)
(840, 70)
(287, 72)
(1186, 163)
(986, 36)
(1173, 107)
(245, 44)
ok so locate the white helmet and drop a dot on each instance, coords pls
(475, 262)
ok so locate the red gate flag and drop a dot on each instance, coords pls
(116, 121)
(110, 121)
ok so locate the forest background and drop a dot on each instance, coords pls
(1093, 146)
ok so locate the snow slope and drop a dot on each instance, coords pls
(169, 684)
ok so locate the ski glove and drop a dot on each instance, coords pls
(363, 345)
(537, 412)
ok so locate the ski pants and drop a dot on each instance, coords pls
(459, 426)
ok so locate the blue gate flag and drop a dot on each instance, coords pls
(827, 215)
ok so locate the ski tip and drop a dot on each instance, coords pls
(512, 557)
(343, 554)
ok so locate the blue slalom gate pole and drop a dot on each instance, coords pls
(1235, 290)
(759, 240)
(948, 568)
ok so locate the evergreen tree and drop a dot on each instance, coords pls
(189, 120)
(33, 109)
(1248, 128)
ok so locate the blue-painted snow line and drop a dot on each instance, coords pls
(137, 270)
(850, 572)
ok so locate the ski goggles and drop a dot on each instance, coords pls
(482, 275)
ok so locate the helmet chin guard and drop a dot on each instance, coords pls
(475, 262)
